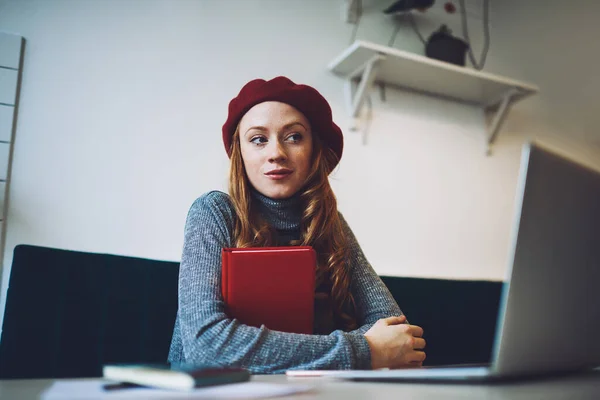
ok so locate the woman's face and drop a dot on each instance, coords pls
(276, 147)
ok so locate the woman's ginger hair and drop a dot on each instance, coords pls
(321, 226)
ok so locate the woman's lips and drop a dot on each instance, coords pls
(278, 174)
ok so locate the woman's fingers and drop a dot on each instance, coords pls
(394, 320)
(419, 344)
(416, 331)
(413, 360)
(417, 356)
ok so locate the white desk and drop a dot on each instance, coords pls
(571, 388)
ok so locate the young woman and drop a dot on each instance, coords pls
(283, 145)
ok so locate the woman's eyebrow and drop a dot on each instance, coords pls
(285, 127)
(288, 126)
(257, 128)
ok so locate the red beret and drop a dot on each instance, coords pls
(304, 98)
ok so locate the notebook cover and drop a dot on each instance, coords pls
(274, 286)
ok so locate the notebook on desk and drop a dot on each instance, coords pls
(549, 317)
(271, 286)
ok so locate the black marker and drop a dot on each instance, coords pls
(120, 385)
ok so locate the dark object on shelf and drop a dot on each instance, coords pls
(407, 5)
(442, 46)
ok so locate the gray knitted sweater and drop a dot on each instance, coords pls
(204, 333)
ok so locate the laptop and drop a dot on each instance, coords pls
(549, 317)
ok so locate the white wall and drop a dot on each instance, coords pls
(551, 42)
(122, 104)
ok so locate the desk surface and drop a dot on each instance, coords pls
(572, 387)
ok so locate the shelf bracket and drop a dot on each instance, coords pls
(499, 117)
(368, 72)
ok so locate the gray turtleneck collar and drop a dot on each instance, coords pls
(284, 215)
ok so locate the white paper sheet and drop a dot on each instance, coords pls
(84, 389)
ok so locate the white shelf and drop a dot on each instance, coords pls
(372, 63)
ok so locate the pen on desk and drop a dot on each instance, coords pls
(119, 386)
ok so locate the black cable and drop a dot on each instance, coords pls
(359, 14)
(486, 32)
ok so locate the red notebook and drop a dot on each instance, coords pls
(274, 286)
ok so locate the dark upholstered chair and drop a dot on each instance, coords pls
(68, 313)
(458, 317)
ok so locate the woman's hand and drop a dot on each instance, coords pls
(395, 344)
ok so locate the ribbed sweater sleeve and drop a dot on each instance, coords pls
(204, 333)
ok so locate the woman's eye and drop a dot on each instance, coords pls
(294, 137)
(258, 140)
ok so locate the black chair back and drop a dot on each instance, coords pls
(68, 313)
(458, 317)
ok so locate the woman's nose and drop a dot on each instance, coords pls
(277, 152)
